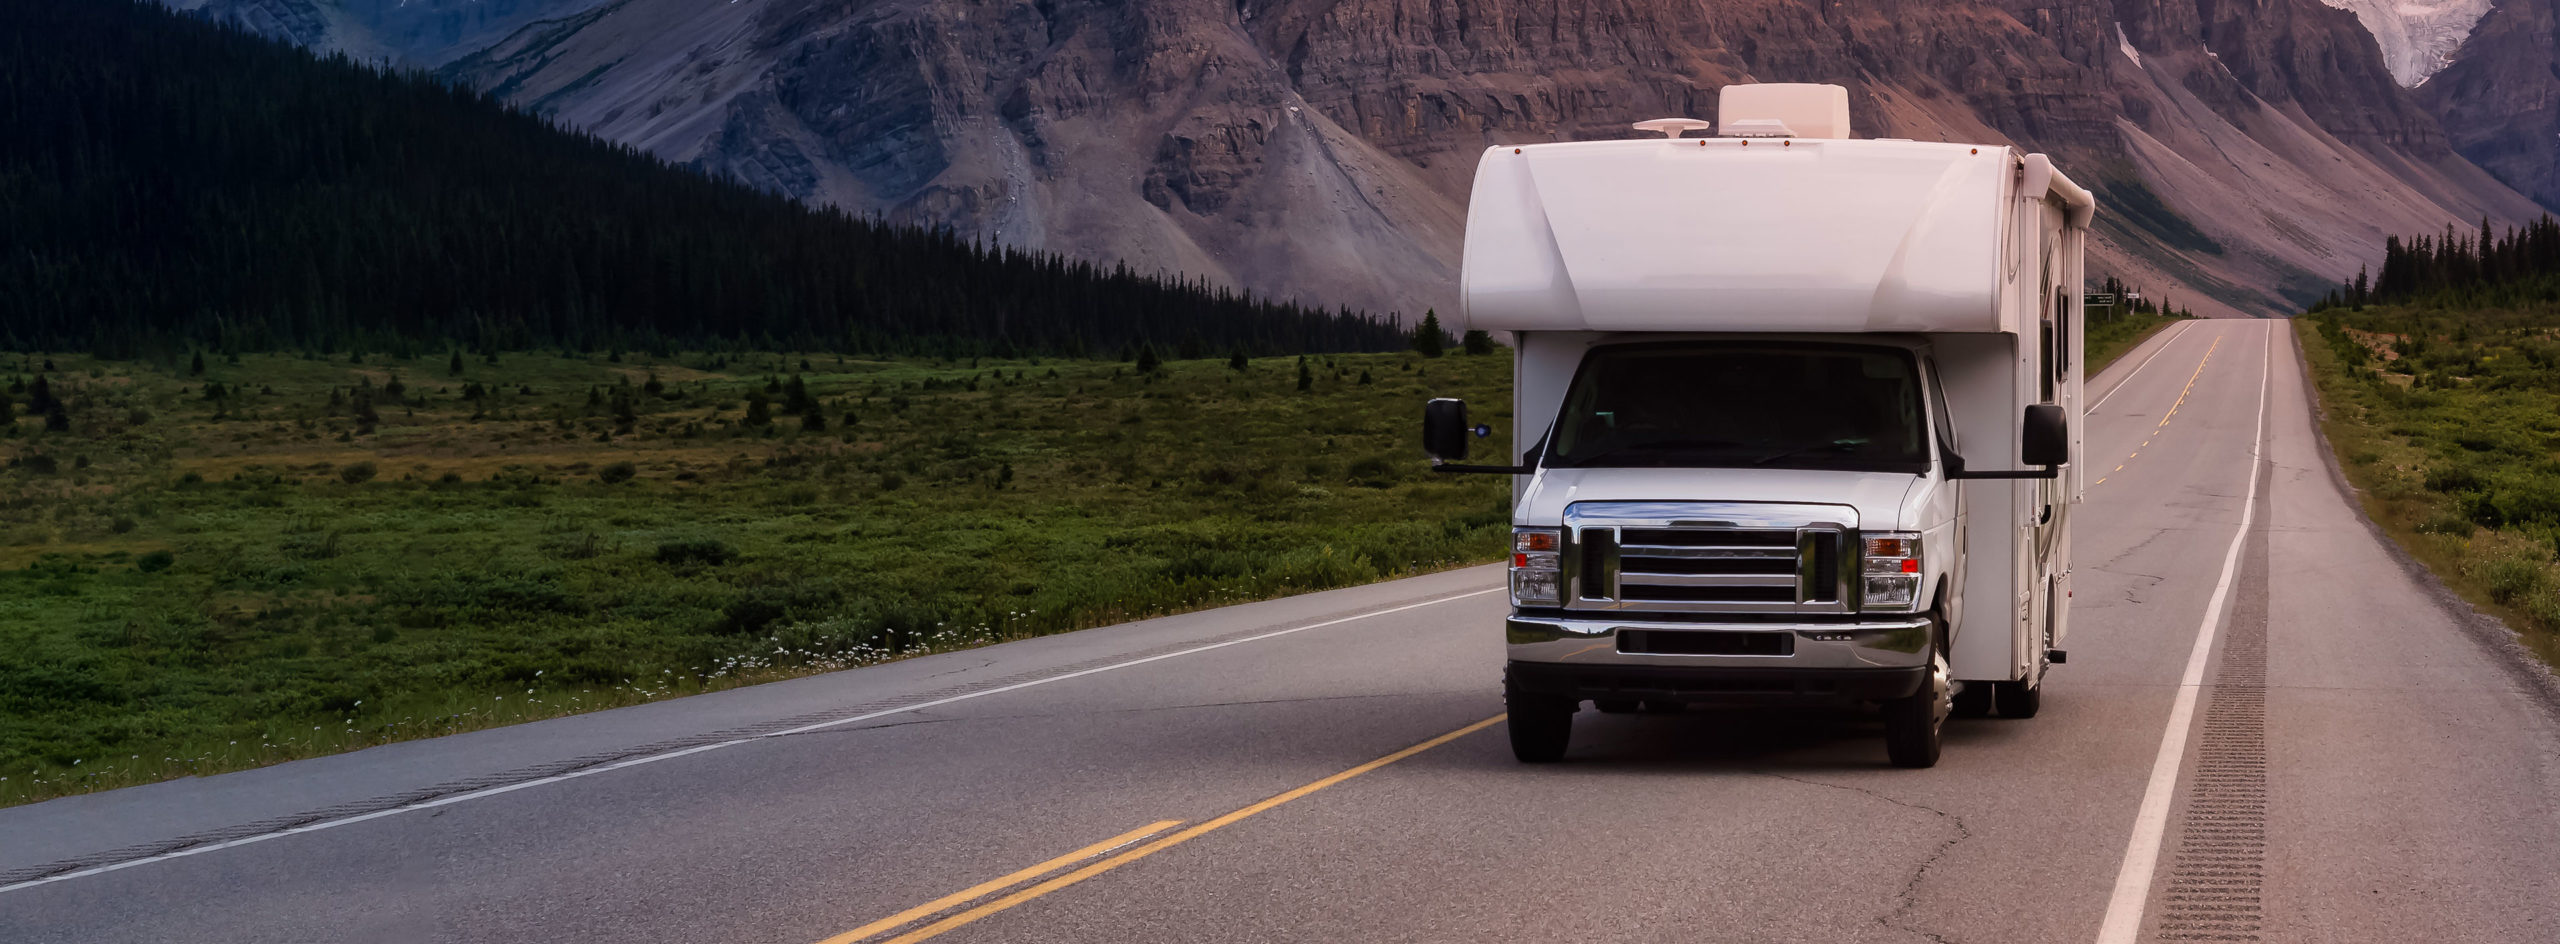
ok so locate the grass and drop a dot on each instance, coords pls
(2448, 425)
(2110, 338)
(192, 583)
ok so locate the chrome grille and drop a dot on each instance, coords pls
(1630, 562)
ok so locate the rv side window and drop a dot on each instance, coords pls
(1744, 405)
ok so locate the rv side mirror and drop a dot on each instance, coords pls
(2046, 438)
(1444, 429)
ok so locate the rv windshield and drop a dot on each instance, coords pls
(1784, 406)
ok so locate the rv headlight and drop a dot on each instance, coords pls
(1537, 578)
(1891, 570)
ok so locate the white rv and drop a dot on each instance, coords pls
(1797, 417)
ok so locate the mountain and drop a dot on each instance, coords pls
(167, 183)
(2417, 39)
(408, 33)
(2501, 97)
(2248, 153)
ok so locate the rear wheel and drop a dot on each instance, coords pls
(1914, 723)
(1973, 700)
(2022, 698)
(1541, 726)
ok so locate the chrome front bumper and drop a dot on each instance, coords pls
(1898, 643)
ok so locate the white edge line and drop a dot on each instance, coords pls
(697, 749)
(2150, 824)
(2137, 368)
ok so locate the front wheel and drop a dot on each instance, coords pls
(1914, 724)
(1541, 727)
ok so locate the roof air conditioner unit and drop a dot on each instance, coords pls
(1784, 109)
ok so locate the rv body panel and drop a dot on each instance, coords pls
(1743, 235)
(1774, 398)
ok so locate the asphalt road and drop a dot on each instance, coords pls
(2357, 759)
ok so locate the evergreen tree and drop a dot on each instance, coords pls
(1476, 342)
(454, 367)
(8, 411)
(759, 411)
(195, 368)
(1237, 360)
(1306, 378)
(795, 398)
(40, 396)
(1428, 338)
(1148, 363)
(57, 420)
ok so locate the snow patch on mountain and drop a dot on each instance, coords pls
(2417, 38)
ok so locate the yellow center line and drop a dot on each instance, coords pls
(1176, 839)
(974, 892)
(2173, 408)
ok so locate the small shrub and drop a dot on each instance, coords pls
(2452, 477)
(617, 473)
(698, 551)
(2512, 577)
(357, 473)
(153, 562)
(2448, 522)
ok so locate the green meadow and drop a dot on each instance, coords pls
(213, 565)
(2448, 424)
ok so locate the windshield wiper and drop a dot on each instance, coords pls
(1836, 444)
(1655, 445)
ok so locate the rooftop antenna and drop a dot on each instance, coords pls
(1674, 127)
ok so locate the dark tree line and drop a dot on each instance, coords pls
(2460, 269)
(167, 183)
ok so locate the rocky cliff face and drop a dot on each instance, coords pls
(2247, 149)
(415, 33)
(2501, 98)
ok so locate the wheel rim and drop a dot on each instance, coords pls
(1942, 700)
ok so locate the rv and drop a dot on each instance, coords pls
(1800, 413)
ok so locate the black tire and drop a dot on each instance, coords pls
(2021, 700)
(1974, 700)
(1911, 731)
(1615, 706)
(1541, 727)
(1914, 724)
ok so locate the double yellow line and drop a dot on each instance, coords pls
(2173, 410)
(1115, 852)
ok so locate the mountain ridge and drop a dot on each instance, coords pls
(1322, 150)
